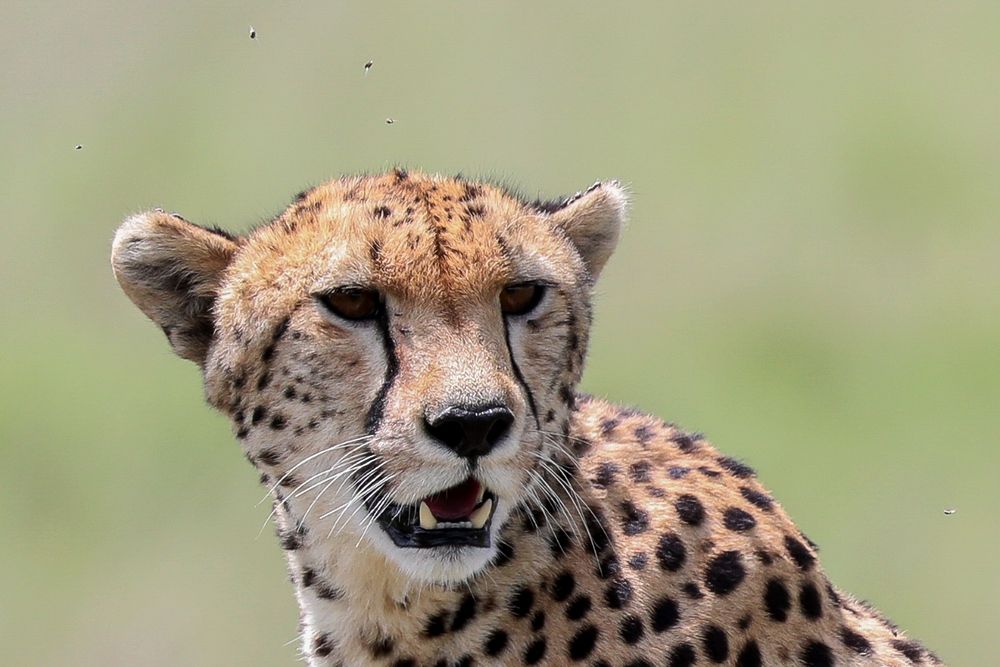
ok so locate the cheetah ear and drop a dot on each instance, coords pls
(593, 221)
(172, 270)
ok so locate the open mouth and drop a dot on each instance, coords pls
(458, 516)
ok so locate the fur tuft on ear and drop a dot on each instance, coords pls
(593, 221)
(172, 270)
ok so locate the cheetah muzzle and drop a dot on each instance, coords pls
(398, 357)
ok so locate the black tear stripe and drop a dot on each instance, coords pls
(377, 409)
(519, 375)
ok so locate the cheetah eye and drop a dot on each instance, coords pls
(520, 299)
(352, 303)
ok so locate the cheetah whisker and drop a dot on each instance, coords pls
(343, 474)
(341, 445)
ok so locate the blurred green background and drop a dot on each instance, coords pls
(811, 275)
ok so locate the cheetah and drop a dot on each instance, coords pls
(399, 355)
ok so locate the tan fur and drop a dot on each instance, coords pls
(618, 538)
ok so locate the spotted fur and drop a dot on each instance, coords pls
(618, 538)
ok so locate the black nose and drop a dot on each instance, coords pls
(470, 431)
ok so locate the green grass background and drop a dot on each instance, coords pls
(811, 275)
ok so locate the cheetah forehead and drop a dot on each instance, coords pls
(414, 235)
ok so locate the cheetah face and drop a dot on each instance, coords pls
(396, 353)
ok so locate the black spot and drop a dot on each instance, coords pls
(757, 498)
(724, 572)
(855, 642)
(578, 607)
(639, 472)
(709, 472)
(381, 212)
(559, 542)
(278, 422)
(664, 614)
(538, 621)
(671, 552)
(269, 457)
(684, 442)
(637, 561)
(690, 510)
(496, 643)
(521, 602)
(634, 520)
(322, 645)
(643, 434)
(631, 629)
(618, 593)
(475, 210)
(436, 625)
(258, 414)
(745, 622)
(598, 534)
(817, 654)
(607, 567)
(327, 592)
(799, 553)
(505, 554)
(582, 643)
(289, 392)
(609, 425)
(677, 472)
(535, 651)
(692, 590)
(308, 577)
(683, 655)
(466, 612)
(913, 651)
(810, 601)
(291, 539)
(381, 647)
(640, 662)
(263, 381)
(764, 557)
(777, 601)
(737, 468)
(832, 594)
(606, 475)
(716, 643)
(405, 662)
(750, 656)
(736, 519)
(563, 587)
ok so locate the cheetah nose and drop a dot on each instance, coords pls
(470, 432)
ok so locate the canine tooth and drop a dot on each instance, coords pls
(427, 520)
(482, 492)
(480, 516)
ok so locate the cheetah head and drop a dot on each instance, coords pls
(397, 354)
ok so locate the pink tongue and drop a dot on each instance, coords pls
(456, 502)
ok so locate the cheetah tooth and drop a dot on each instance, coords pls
(479, 517)
(427, 520)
